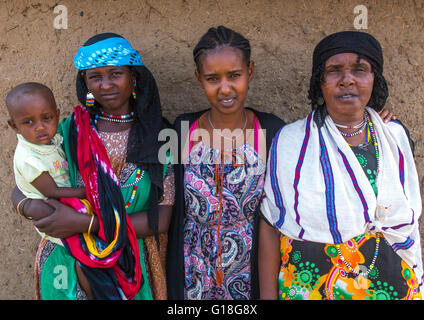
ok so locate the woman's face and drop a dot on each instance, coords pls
(112, 87)
(224, 76)
(347, 86)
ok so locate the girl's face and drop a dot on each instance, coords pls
(111, 87)
(348, 85)
(224, 76)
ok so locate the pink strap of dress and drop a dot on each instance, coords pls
(256, 135)
(256, 128)
(190, 134)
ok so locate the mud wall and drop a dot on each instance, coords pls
(282, 33)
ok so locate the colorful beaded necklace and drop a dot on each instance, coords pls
(138, 177)
(116, 117)
(377, 243)
(369, 269)
(374, 139)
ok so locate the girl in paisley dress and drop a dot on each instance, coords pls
(219, 182)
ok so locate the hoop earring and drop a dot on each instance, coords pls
(89, 101)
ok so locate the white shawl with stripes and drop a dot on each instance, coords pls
(316, 190)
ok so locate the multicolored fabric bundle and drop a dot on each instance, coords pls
(109, 260)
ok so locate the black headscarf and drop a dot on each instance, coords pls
(361, 43)
(357, 42)
(143, 145)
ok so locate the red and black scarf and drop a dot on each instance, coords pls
(110, 260)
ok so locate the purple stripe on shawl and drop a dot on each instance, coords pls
(408, 243)
(356, 186)
(274, 181)
(297, 172)
(402, 170)
(404, 224)
(329, 191)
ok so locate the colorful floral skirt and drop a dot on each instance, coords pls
(316, 271)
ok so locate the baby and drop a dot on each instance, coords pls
(40, 165)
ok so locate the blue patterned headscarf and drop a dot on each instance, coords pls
(115, 51)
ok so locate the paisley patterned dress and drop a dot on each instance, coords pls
(242, 192)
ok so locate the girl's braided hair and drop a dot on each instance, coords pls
(221, 36)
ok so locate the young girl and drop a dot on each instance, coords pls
(219, 182)
(39, 163)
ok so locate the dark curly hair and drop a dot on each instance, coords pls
(379, 95)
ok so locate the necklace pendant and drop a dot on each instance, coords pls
(219, 276)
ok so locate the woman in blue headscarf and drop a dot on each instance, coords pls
(115, 247)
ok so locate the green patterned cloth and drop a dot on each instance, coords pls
(58, 279)
(366, 155)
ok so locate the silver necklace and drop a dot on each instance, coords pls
(361, 127)
(354, 133)
(137, 180)
(350, 127)
(219, 132)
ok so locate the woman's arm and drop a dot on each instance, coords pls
(38, 209)
(64, 221)
(269, 260)
(140, 221)
(54, 218)
(60, 221)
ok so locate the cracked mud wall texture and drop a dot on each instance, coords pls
(282, 34)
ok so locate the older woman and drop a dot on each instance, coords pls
(340, 216)
(111, 144)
